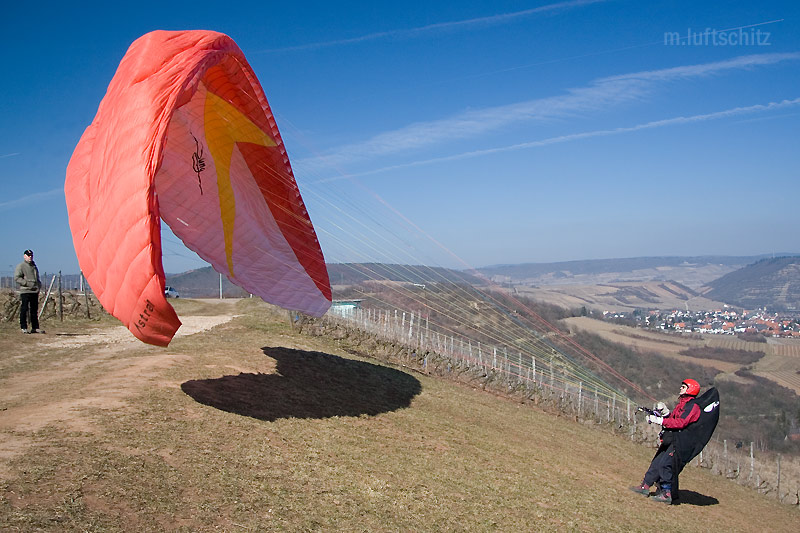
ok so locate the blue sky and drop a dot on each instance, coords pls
(457, 133)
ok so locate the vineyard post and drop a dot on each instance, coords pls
(614, 406)
(778, 488)
(60, 299)
(580, 397)
(738, 465)
(752, 462)
(725, 456)
(529, 369)
(85, 295)
(49, 290)
(596, 404)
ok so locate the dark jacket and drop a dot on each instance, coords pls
(26, 275)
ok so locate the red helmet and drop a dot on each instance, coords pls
(692, 387)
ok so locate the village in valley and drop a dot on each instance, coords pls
(725, 321)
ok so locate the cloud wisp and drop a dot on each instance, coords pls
(601, 93)
(492, 20)
(675, 121)
(29, 199)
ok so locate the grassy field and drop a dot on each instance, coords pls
(246, 426)
(615, 296)
(780, 362)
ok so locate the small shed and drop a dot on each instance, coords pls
(344, 307)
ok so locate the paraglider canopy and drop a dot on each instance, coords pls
(185, 133)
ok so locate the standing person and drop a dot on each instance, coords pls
(26, 276)
(663, 466)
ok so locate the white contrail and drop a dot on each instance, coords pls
(585, 135)
(26, 200)
(441, 26)
(8, 155)
(599, 94)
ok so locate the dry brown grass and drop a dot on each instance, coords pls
(248, 426)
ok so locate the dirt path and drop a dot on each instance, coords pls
(113, 363)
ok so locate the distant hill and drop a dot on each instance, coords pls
(352, 273)
(773, 283)
(621, 296)
(204, 282)
(620, 283)
(694, 272)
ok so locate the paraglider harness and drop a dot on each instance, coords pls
(689, 441)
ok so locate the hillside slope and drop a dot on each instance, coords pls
(773, 283)
(249, 426)
(620, 297)
(691, 271)
(204, 282)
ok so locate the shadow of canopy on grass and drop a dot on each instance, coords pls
(308, 385)
(689, 497)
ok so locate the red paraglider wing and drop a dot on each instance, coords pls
(185, 133)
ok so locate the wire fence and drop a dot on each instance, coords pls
(547, 367)
(61, 296)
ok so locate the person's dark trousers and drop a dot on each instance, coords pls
(661, 467)
(30, 304)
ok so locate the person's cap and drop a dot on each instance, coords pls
(29, 252)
